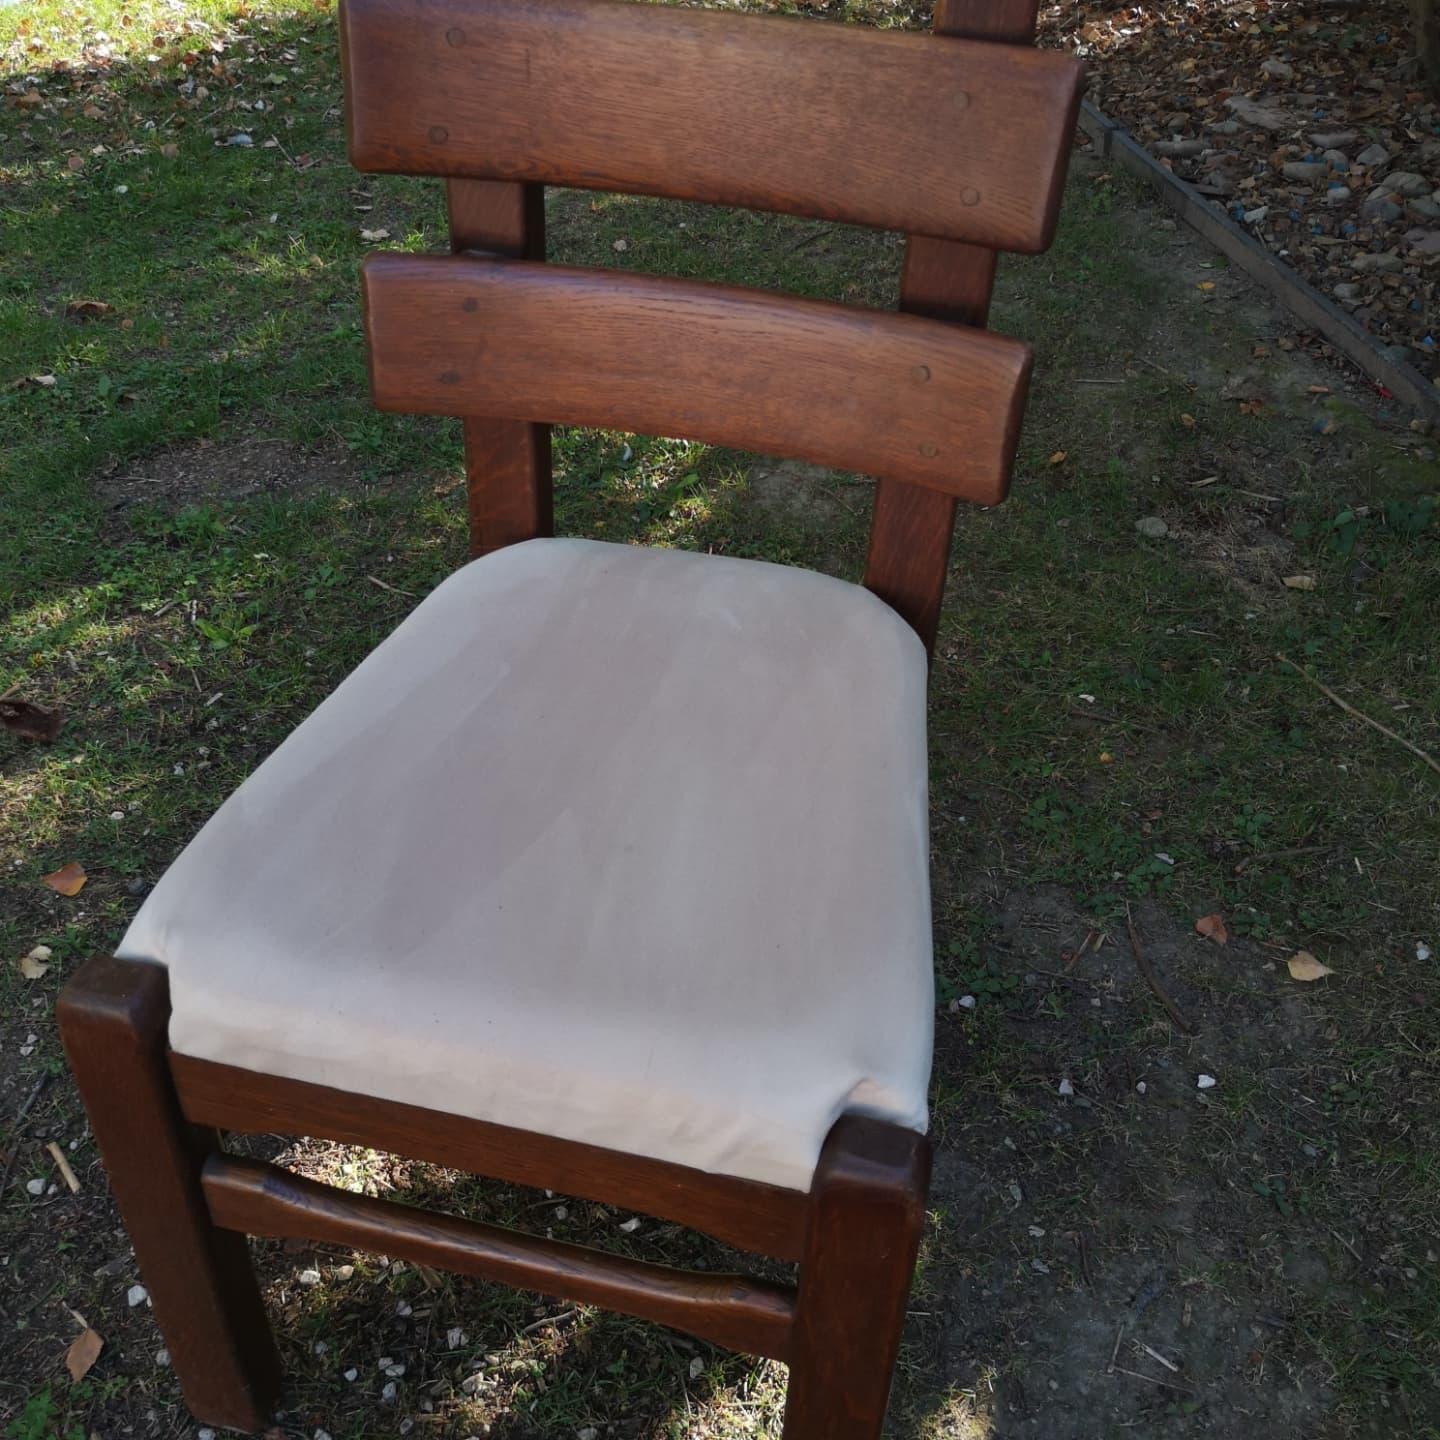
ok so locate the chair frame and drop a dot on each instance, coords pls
(188, 1206)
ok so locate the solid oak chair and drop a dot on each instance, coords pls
(607, 871)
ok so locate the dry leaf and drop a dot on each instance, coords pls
(1212, 927)
(1206, 285)
(87, 309)
(35, 964)
(1058, 458)
(67, 880)
(84, 1351)
(374, 234)
(1302, 965)
(1188, 421)
(29, 721)
(1299, 582)
(170, 151)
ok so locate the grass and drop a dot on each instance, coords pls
(1111, 733)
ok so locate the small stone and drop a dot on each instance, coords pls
(1423, 209)
(310, 1277)
(1347, 290)
(471, 1383)
(1332, 139)
(1422, 951)
(1205, 1082)
(1066, 1088)
(630, 1226)
(1226, 127)
(1152, 527)
(403, 1309)
(387, 1395)
(697, 1368)
(162, 1359)
(1337, 194)
(35, 1187)
(384, 1362)
(322, 1347)
(966, 1002)
(1337, 160)
(1407, 183)
(1040, 1267)
(455, 1338)
(352, 1374)
(1267, 117)
(205, 1433)
(136, 1295)
(1255, 216)
(1386, 263)
(322, 1435)
(1379, 206)
(1140, 1087)
(1179, 148)
(588, 1433)
(395, 1371)
(344, 1272)
(1278, 69)
(562, 1212)
(406, 1425)
(1304, 170)
(1373, 155)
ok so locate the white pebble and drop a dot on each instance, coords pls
(136, 1295)
(322, 1347)
(561, 1213)
(35, 1187)
(384, 1362)
(322, 1435)
(117, 814)
(1037, 1232)
(967, 1002)
(1205, 1082)
(394, 1371)
(1066, 1088)
(629, 1227)
(588, 1433)
(697, 1368)
(455, 1337)
(344, 1272)
(387, 1395)
(1140, 1087)
(406, 1425)
(309, 1277)
(352, 1374)
(205, 1433)
(162, 1359)
(1422, 952)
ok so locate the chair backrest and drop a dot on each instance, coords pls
(959, 144)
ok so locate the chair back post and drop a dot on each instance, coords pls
(507, 462)
(912, 527)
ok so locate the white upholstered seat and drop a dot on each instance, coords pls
(620, 845)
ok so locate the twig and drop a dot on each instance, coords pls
(1349, 709)
(1142, 964)
(548, 1320)
(1347, 1245)
(1084, 1250)
(393, 589)
(1151, 1380)
(1170, 1365)
(1250, 860)
(1115, 1353)
(30, 1100)
(63, 1166)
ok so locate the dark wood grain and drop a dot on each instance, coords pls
(867, 1216)
(904, 132)
(912, 528)
(113, 1018)
(507, 462)
(746, 1213)
(737, 1311)
(865, 390)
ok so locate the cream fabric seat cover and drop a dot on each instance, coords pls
(619, 845)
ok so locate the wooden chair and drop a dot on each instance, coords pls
(607, 871)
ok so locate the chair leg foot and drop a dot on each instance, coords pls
(867, 1211)
(114, 1017)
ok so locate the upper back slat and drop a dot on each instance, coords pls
(933, 136)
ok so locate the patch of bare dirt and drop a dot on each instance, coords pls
(231, 469)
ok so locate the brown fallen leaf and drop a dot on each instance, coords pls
(1302, 965)
(67, 880)
(87, 309)
(1206, 285)
(29, 721)
(170, 151)
(1212, 927)
(1188, 421)
(84, 1351)
(1299, 582)
(74, 162)
(1058, 458)
(35, 964)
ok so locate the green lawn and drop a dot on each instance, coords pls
(203, 525)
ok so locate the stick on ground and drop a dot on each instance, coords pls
(1142, 964)
(1349, 709)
